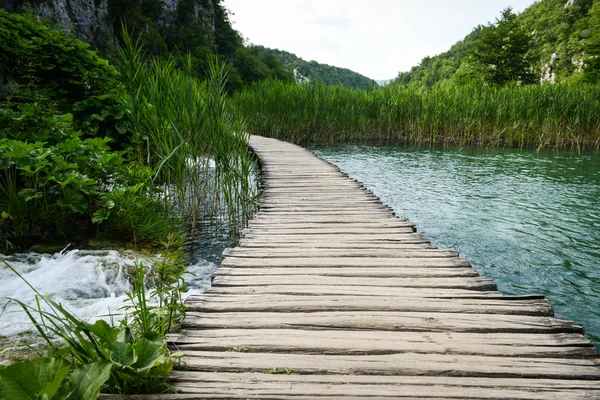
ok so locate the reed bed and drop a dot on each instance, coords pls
(538, 116)
(191, 137)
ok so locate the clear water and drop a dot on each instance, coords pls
(528, 220)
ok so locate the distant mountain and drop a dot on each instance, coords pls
(313, 71)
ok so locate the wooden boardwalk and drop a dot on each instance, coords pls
(330, 295)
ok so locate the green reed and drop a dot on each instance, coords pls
(187, 132)
(513, 116)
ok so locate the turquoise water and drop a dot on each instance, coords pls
(528, 220)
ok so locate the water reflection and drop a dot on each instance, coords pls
(528, 220)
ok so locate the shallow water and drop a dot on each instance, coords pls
(528, 220)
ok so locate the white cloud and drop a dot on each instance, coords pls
(378, 38)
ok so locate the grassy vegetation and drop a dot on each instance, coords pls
(196, 145)
(142, 155)
(514, 116)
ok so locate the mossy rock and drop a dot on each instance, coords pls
(102, 243)
(49, 247)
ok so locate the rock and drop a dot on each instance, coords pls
(49, 247)
(90, 21)
(104, 243)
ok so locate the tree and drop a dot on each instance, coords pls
(500, 53)
(591, 68)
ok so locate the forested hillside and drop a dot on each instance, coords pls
(200, 28)
(551, 41)
(316, 72)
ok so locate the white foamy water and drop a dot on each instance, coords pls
(91, 284)
(199, 274)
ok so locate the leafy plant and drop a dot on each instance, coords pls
(52, 379)
(131, 358)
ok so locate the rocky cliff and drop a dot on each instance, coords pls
(98, 22)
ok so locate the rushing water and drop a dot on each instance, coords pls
(528, 220)
(91, 284)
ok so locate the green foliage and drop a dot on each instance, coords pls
(52, 379)
(181, 126)
(315, 71)
(475, 114)
(561, 38)
(592, 46)
(43, 188)
(63, 70)
(443, 67)
(31, 380)
(129, 359)
(500, 52)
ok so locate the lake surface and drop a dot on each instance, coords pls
(528, 220)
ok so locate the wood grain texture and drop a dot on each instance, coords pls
(330, 294)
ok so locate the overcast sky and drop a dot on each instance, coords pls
(377, 38)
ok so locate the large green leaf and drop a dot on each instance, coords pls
(122, 354)
(86, 382)
(149, 354)
(38, 378)
(105, 332)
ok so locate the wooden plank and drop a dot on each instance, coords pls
(289, 224)
(290, 303)
(472, 283)
(379, 291)
(351, 272)
(397, 364)
(378, 342)
(340, 253)
(358, 262)
(257, 244)
(393, 386)
(382, 321)
(326, 230)
(373, 238)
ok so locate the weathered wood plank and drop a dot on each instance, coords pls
(290, 303)
(372, 238)
(397, 364)
(328, 222)
(351, 272)
(378, 342)
(472, 283)
(415, 386)
(411, 244)
(358, 262)
(342, 253)
(379, 291)
(383, 321)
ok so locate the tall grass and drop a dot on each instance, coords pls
(513, 116)
(186, 130)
